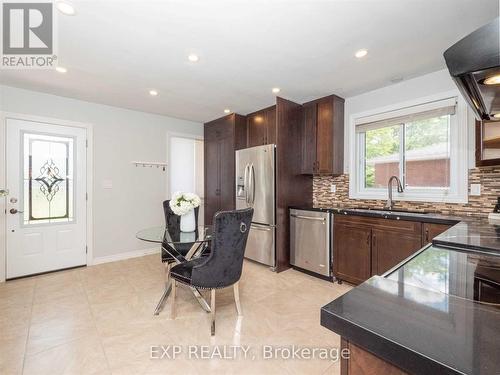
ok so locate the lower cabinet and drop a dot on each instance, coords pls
(351, 257)
(362, 362)
(430, 230)
(391, 246)
(366, 246)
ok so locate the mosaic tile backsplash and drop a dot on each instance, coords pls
(488, 177)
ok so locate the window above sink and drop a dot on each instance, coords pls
(424, 144)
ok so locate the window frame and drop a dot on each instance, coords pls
(458, 191)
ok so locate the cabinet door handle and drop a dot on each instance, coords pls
(368, 239)
(374, 240)
(427, 236)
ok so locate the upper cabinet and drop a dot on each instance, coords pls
(222, 137)
(261, 127)
(323, 136)
(487, 143)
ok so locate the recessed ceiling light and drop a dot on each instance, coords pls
(227, 111)
(276, 90)
(361, 53)
(153, 92)
(66, 8)
(61, 69)
(493, 80)
(193, 57)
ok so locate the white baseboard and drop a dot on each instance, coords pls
(125, 255)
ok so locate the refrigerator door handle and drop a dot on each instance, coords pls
(252, 180)
(245, 183)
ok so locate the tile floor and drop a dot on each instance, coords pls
(98, 320)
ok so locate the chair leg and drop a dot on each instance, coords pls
(212, 311)
(237, 298)
(174, 290)
(166, 291)
(167, 272)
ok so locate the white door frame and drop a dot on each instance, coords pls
(171, 134)
(3, 164)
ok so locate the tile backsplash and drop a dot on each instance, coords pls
(482, 205)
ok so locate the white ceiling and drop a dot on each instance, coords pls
(116, 51)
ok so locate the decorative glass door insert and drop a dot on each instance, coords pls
(48, 179)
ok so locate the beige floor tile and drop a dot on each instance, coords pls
(12, 352)
(17, 293)
(51, 333)
(81, 356)
(99, 320)
(14, 321)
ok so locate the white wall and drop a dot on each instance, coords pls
(120, 136)
(420, 87)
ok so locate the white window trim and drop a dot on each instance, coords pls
(458, 154)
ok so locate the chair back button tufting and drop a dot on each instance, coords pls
(243, 227)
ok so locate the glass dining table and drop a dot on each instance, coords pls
(178, 247)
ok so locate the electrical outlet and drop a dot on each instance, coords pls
(475, 189)
(333, 188)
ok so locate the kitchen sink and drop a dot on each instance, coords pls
(404, 212)
(391, 212)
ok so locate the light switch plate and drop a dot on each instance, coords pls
(333, 188)
(107, 184)
(475, 189)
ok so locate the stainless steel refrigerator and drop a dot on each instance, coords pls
(255, 187)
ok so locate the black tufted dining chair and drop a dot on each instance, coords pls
(223, 267)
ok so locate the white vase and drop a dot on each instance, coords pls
(188, 222)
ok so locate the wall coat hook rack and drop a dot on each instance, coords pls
(150, 164)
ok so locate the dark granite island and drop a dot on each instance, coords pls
(438, 313)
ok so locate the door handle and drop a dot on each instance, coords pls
(308, 217)
(252, 178)
(13, 211)
(245, 183)
(4, 192)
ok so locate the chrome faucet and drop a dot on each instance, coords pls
(389, 204)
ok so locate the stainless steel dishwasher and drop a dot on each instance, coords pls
(310, 241)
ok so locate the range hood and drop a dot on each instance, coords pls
(474, 60)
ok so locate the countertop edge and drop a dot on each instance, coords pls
(388, 350)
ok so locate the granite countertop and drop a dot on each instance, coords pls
(467, 232)
(422, 317)
(475, 234)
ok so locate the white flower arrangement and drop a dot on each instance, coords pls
(181, 203)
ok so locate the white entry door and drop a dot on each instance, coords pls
(46, 205)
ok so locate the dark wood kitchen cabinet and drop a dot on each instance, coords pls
(222, 137)
(362, 362)
(487, 143)
(322, 146)
(394, 243)
(352, 250)
(367, 246)
(261, 127)
(431, 230)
